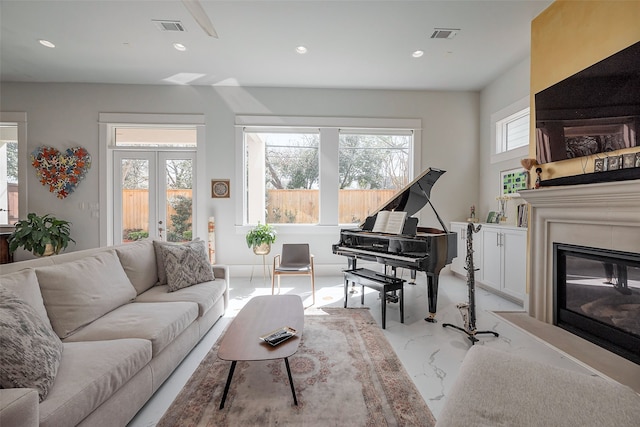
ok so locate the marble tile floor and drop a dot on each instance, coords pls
(430, 353)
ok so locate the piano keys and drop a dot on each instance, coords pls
(416, 248)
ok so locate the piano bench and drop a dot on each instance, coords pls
(379, 282)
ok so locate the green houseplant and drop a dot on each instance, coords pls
(41, 235)
(260, 238)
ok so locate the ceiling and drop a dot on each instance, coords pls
(364, 44)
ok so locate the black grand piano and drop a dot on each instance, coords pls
(416, 248)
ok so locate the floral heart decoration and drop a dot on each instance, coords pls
(62, 172)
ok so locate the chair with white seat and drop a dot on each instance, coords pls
(295, 260)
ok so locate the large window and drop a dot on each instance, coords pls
(372, 167)
(335, 173)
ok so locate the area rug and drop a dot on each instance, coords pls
(345, 373)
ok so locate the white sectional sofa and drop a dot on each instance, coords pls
(122, 332)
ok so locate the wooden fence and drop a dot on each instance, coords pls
(283, 206)
(135, 208)
(301, 206)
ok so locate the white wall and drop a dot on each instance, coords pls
(508, 88)
(66, 115)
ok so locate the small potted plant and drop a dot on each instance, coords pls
(41, 235)
(260, 238)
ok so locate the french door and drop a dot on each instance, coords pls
(153, 195)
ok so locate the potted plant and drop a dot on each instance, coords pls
(42, 235)
(260, 238)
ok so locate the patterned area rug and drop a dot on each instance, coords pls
(345, 373)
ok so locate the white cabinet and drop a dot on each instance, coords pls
(500, 254)
(504, 252)
(460, 262)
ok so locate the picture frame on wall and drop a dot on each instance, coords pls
(512, 181)
(220, 188)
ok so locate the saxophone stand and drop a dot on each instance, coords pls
(468, 310)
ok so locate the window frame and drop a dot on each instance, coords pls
(20, 119)
(329, 128)
(498, 122)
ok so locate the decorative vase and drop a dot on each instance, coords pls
(48, 250)
(262, 249)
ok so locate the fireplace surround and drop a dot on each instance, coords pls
(601, 215)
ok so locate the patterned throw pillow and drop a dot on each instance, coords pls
(186, 265)
(31, 351)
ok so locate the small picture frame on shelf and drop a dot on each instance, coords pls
(598, 165)
(638, 159)
(628, 160)
(492, 218)
(613, 163)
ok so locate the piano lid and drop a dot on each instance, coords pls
(414, 196)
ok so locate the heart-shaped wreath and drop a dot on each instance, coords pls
(61, 172)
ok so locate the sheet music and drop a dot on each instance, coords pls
(389, 222)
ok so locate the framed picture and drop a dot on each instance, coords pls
(628, 160)
(614, 163)
(492, 218)
(512, 181)
(220, 188)
(598, 165)
(638, 159)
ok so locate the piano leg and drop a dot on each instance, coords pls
(432, 294)
(413, 277)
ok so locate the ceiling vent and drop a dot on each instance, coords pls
(444, 33)
(169, 25)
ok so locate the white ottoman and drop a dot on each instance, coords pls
(495, 388)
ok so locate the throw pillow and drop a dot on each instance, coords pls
(31, 351)
(25, 284)
(186, 265)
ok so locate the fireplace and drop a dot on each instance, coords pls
(597, 296)
(600, 215)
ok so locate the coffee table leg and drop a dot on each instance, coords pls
(293, 390)
(226, 387)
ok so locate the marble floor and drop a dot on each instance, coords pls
(430, 353)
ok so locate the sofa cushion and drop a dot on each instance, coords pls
(25, 284)
(186, 265)
(89, 374)
(139, 262)
(78, 292)
(31, 351)
(159, 323)
(204, 294)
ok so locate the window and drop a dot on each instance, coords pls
(13, 167)
(336, 173)
(372, 167)
(511, 132)
(282, 176)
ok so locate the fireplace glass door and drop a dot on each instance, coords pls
(598, 297)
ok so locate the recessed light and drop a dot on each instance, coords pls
(417, 53)
(180, 47)
(301, 50)
(46, 43)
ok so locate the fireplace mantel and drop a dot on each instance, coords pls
(602, 215)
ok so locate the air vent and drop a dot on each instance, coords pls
(444, 33)
(169, 25)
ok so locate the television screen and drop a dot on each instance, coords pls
(597, 110)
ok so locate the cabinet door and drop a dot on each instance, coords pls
(515, 265)
(491, 257)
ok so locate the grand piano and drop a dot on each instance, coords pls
(416, 248)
